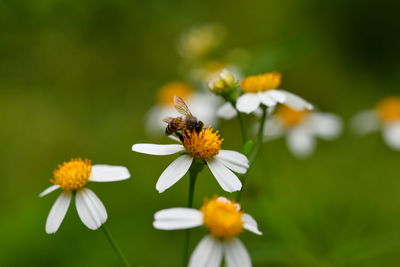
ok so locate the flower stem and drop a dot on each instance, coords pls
(193, 172)
(241, 123)
(242, 126)
(114, 245)
(257, 147)
(260, 136)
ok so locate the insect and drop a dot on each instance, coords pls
(178, 125)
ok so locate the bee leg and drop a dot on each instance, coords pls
(180, 136)
(186, 134)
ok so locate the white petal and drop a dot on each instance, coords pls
(90, 209)
(177, 218)
(226, 111)
(391, 135)
(250, 224)
(154, 123)
(277, 95)
(295, 101)
(248, 103)
(266, 99)
(236, 254)
(159, 150)
(232, 166)
(208, 253)
(174, 172)
(272, 129)
(325, 125)
(108, 173)
(234, 156)
(365, 122)
(225, 177)
(300, 142)
(48, 190)
(173, 137)
(57, 212)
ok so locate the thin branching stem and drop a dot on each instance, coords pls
(193, 172)
(256, 150)
(114, 245)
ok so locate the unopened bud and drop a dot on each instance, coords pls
(227, 77)
(217, 86)
(225, 82)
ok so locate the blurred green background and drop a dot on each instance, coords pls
(77, 78)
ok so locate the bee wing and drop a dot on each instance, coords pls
(168, 119)
(181, 106)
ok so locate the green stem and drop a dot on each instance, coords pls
(260, 136)
(193, 172)
(257, 147)
(242, 126)
(114, 245)
(241, 122)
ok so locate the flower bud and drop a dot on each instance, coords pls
(226, 82)
(227, 77)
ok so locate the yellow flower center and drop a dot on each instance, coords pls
(261, 82)
(168, 91)
(72, 175)
(204, 145)
(290, 117)
(222, 217)
(389, 109)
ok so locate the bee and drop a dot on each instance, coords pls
(178, 125)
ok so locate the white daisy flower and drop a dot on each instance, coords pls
(224, 220)
(202, 104)
(301, 128)
(72, 177)
(262, 89)
(204, 146)
(385, 117)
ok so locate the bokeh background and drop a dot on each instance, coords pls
(78, 77)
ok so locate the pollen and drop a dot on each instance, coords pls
(203, 145)
(261, 82)
(222, 217)
(290, 117)
(168, 91)
(389, 109)
(72, 175)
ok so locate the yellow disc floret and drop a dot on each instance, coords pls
(222, 217)
(203, 145)
(168, 91)
(290, 117)
(261, 82)
(389, 109)
(72, 175)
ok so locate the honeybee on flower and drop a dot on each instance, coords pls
(224, 220)
(385, 117)
(202, 104)
(301, 128)
(72, 177)
(201, 145)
